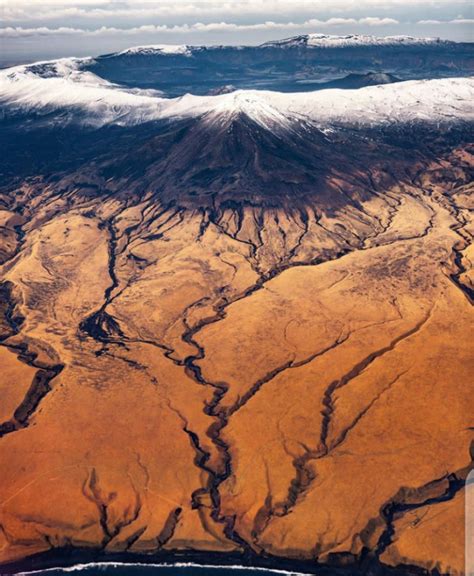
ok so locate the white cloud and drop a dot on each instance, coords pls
(466, 21)
(31, 10)
(462, 21)
(19, 32)
(312, 24)
(369, 21)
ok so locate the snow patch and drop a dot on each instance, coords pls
(153, 49)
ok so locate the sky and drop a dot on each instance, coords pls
(43, 29)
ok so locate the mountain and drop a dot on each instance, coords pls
(65, 91)
(295, 64)
(234, 326)
(354, 40)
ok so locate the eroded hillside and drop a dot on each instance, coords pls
(278, 361)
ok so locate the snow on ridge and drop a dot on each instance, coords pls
(354, 40)
(151, 49)
(61, 67)
(77, 96)
(314, 40)
(61, 86)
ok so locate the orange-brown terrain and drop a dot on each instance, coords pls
(289, 381)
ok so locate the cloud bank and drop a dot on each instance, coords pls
(28, 10)
(372, 21)
(313, 23)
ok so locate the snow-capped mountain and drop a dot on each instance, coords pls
(305, 40)
(64, 92)
(354, 40)
(99, 128)
(298, 64)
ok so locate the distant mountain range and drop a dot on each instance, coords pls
(303, 93)
(302, 41)
(354, 40)
(65, 92)
(301, 63)
(149, 83)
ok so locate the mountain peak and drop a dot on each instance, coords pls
(250, 104)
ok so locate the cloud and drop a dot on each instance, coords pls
(369, 21)
(18, 31)
(32, 10)
(462, 21)
(466, 21)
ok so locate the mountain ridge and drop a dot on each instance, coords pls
(65, 86)
(314, 40)
(353, 40)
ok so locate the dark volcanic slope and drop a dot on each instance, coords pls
(233, 161)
